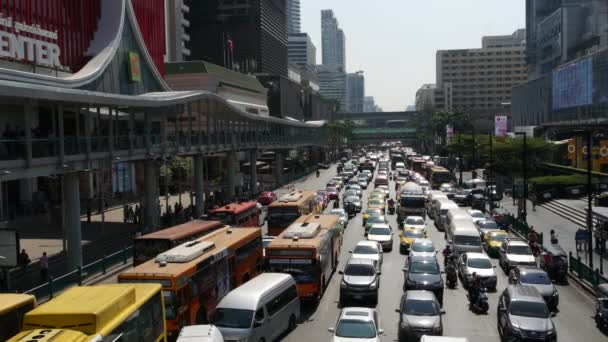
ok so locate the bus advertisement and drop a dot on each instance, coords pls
(242, 214)
(438, 175)
(13, 307)
(196, 275)
(308, 250)
(111, 312)
(150, 245)
(288, 208)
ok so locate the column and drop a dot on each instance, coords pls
(231, 175)
(150, 195)
(71, 199)
(253, 159)
(27, 186)
(199, 208)
(278, 166)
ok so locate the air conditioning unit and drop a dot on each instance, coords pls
(291, 197)
(302, 231)
(185, 252)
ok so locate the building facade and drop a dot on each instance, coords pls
(332, 85)
(425, 98)
(293, 16)
(176, 27)
(333, 41)
(246, 36)
(301, 50)
(355, 85)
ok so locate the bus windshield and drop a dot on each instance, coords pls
(282, 217)
(413, 202)
(300, 273)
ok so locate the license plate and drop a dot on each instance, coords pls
(358, 296)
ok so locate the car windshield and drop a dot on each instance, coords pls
(414, 221)
(535, 278)
(375, 219)
(322, 192)
(467, 240)
(420, 308)
(379, 231)
(359, 270)
(375, 202)
(362, 249)
(424, 267)
(352, 199)
(519, 250)
(232, 318)
(338, 212)
(331, 189)
(349, 193)
(479, 263)
(355, 329)
(499, 237)
(413, 233)
(423, 247)
(488, 225)
(529, 309)
(477, 214)
(374, 212)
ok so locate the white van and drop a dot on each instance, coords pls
(430, 196)
(200, 333)
(464, 237)
(441, 213)
(456, 214)
(262, 309)
(427, 338)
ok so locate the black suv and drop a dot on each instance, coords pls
(422, 273)
(523, 315)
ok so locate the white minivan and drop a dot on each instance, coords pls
(200, 333)
(441, 213)
(464, 237)
(456, 214)
(262, 309)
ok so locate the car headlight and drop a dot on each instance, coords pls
(373, 285)
(343, 284)
(411, 283)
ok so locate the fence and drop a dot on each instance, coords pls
(54, 286)
(584, 272)
(522, 228)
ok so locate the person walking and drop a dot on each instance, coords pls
(44, 267)
(24, 259)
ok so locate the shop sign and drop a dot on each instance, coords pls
(18, 47)
(134, 67)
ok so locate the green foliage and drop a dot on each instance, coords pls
(340, 132)
(176, 168)
(559, 180)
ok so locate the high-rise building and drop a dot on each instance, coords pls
(425, 98)
(333, 40)
(332, 84)
(249, 36)
(355, 85)
(176, 26)
(301, 50)
(293, 16)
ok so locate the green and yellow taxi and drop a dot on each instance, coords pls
(492, 242)
(371, 212)
(375, 203)
(407, 237)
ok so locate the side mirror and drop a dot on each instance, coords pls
(442, 272)
(404, 269)
(397, 310)
(553, 314)
(351, 252)
(340, 272)
(494, 266)
(442, 312)
(331, 329)
(257, 323)
(379, 273)
(380, 331)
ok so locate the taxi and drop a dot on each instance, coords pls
(377, 192)
(371, 212)
(377, 204)
(407, 237)
(492, 242)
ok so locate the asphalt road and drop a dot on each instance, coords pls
(574, 321)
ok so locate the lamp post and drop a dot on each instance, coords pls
(589, 195)
(490, 173)
(460, 158)
(524, 161)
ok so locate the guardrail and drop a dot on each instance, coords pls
(584, 272)
(56, 285)
(522, 228)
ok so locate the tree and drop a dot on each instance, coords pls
(340, 132)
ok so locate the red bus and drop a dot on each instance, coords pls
(243, 214)
(150, 245)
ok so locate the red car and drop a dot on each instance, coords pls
(267, 197)
(332, 192)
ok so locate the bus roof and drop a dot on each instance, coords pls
(222, 238)
(324, 222)
(183, 230)
(12, 300)
(89, 309)
(296, 197)
(48, 335)
(235, 208)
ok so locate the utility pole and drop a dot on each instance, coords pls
(525, 161)
(589, 199)
(460, 158)
(491, 173)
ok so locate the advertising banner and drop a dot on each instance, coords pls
(500, 125)
(449, 133)
(573, 85)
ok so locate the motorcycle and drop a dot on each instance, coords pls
(391, 208)
(480, 305)
(318, 173)
(535, 247)
(451, 277)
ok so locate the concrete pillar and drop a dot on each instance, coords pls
(231, 175)
(27, 186)
(150, 195)
(71, 200)
(278, 166)
(199, 208)
(253, 159)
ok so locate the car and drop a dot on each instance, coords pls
(515, 252)
(523, 315)
(383, 172)
(477, 215)
(423, 247)
(422, 273)
(369, 250)
(492, 242)
(350, 183)
(382, 233)
(419, 314)
(348, 174)
(360, 281)
(332, 192)
(376, 204)
(371, 212)
(485, 226)
(266, 197)
(332, 183)
(538, 279)
(348, 193)
(469, 263)
(341, 213)
(357, 324)
(376, 196)
(339, 182)
(415, 222)
(374, 219)
(368, 174)
(356, 201)
(362, 181)
(381, 180)
(446, 187)
(407, 237)
(358, 189)
(387, 192)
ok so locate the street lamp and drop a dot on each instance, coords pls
(524, 161)
(490, 174)
(589, 195)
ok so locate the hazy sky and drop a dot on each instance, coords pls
(394, 41)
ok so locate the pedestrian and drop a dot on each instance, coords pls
(579, 238)
(44, 267)
(24, 259)
(89, 212)
(533, 199)
(125, 213)
(131, 215)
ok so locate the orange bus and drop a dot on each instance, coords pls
(196, 275)
(150, 245)
(288, 208)
(308, 250)
(243, 214)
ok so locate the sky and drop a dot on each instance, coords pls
(394, 41)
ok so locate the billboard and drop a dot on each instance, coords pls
(500, 125)
(573, 85)
(449, 133)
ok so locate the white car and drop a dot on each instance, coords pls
(477, 215)
(369, 250)
(382, 233)
(341, 213)
(479, 263)
(200, 333)
(416, 222)
(357, 324)
(423, 247)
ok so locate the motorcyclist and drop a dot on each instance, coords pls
(318, 173)
(349, 207)
(474, 287)
(391, 204)
(554, 240)
(337, 203)
(447, 252)
(532, 236)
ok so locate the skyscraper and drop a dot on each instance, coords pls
(333, 41)
(293, 16)
(301, 50)
(355, 85)
(332, 84)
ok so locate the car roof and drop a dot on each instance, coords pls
(414, 217)
(474, 211)
(477, 255)
(421, 258)
(423, 241)
(337, 210)
(367, 243)
(360, 261)
(517, 243)
(380, 225)
(485, 221)
(357, 313)
(420, 295)
(531, 270)
(525, 293)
